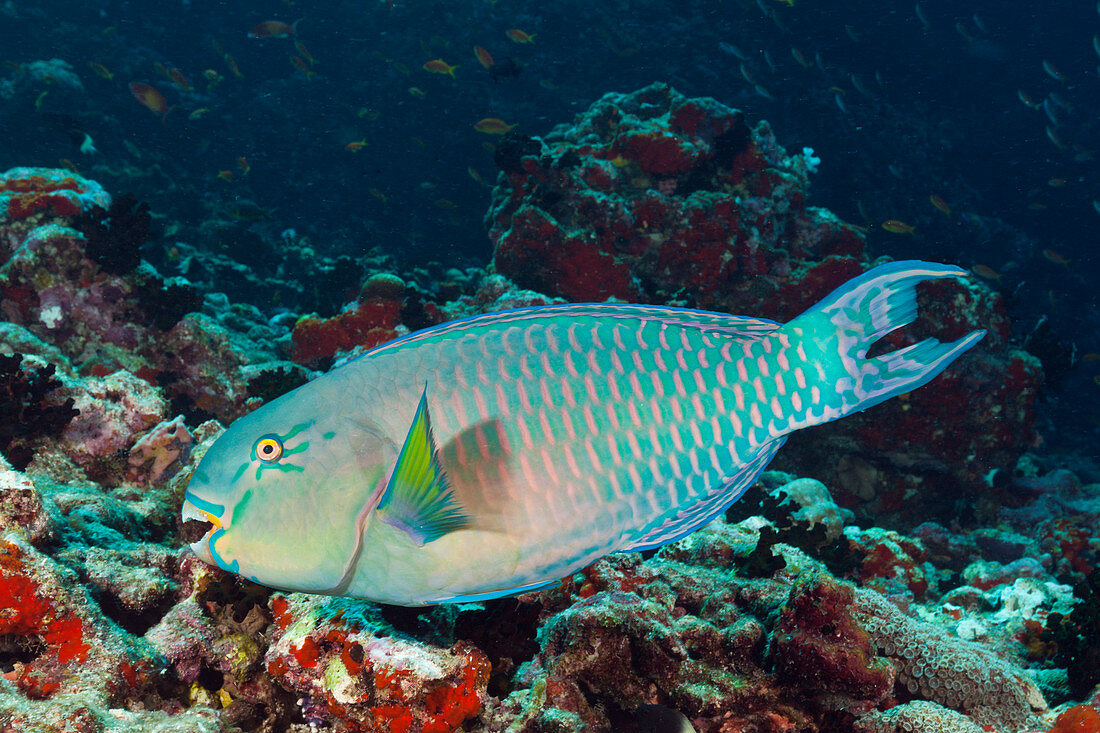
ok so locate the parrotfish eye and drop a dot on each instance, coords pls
(268, 448)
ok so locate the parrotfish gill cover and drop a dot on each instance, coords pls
(494, 455)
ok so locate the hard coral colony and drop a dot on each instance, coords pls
(781, 614)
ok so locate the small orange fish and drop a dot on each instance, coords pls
(242, 164)
(476, 175)
(232, 64)
(162, 70)
(439, 66)
(273, 29)
(986, 272)
(356, 145)
(1052, 256)
(483, 57)
(377, 194)
(101, 71)
(198, 113)
(211, 76)
(417, 92)
(897, 226)
(226, 175)
(177, 78)
(300, 64)
(149, 98)
(519, 36)
(940, 204)
(304, 52)
(1090, 357)
(493, 126)
(1056, 182)
(446, 204)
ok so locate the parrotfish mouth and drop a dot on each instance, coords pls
(197, 528)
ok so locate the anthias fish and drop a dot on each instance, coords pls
(497, 454)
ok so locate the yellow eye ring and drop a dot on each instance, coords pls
(268, 449)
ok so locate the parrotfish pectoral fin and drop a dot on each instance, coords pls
(869, 307)
(418, 499)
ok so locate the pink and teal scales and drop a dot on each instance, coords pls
(497, 454)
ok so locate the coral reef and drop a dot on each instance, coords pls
(784, 615)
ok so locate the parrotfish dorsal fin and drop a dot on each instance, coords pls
(418, 499)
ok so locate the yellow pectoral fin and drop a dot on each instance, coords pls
(418, 499)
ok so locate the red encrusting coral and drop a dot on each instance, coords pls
(367, 324)
(28, 191)
(28, 613)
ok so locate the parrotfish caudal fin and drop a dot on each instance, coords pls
(849, 320)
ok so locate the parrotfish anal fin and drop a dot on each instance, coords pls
(418, 499)
(703, 512)
(500, 592)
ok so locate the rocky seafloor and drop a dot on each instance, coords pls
(912, 568)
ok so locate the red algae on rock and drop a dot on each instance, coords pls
(651, 196)
(25, 192)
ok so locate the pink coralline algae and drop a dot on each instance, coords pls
(164, 448)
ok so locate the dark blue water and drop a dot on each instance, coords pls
(898, 108)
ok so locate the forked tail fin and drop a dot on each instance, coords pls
(840, 329)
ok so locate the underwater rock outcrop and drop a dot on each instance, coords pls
(655, 197)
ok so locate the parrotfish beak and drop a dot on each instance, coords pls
(196, 521)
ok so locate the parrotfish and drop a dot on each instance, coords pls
(497, 454)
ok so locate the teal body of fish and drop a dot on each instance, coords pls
(495, 455)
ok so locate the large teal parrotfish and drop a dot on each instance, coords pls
(495, 455)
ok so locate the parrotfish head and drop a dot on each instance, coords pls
(286, 491)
